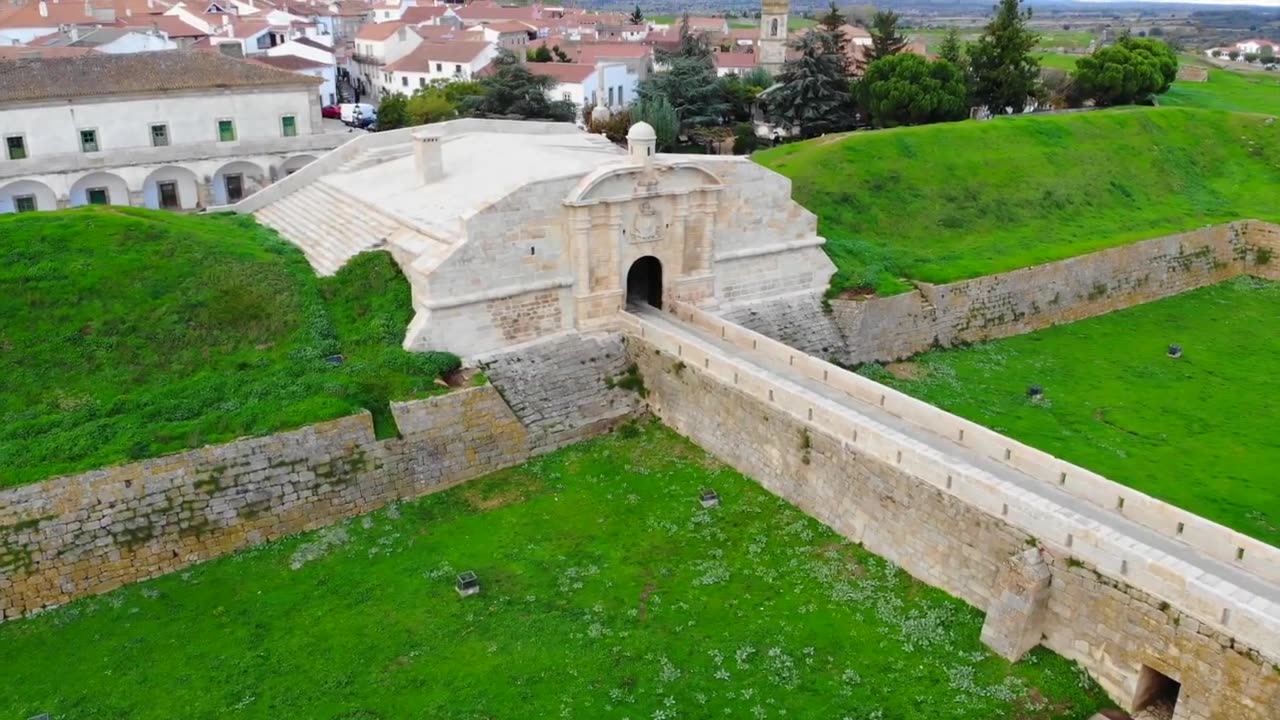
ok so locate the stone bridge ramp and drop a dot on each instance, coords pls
(1238, 601)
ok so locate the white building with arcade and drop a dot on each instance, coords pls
(178, 130)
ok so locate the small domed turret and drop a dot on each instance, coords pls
(642, 143)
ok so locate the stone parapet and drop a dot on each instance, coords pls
(1025, 300)
(86, 534)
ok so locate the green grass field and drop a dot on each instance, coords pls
(1197, 432)
(947, 202)
(607, 592)
(1225, 90)
(1059, 61)
(127, 333)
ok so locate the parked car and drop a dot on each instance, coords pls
(331, 111)
(358, 114)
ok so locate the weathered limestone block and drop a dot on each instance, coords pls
(1016, 614)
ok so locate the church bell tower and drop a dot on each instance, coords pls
(773, 35)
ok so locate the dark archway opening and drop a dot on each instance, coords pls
(644, 282)
(1157, 693)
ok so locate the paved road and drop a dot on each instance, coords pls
(824, 395)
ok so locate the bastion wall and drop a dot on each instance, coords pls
(86, 534)
(892, 328)
(1111, 607)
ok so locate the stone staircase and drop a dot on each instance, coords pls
(329, 226)
(369, 158)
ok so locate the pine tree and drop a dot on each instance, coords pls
(689, 83)
(661, 116)
(637, 17)
(833, 22)
(952, 49)
(513, 90)
(833, 18)
(813, 95)
(1006, 73)
(885, 38)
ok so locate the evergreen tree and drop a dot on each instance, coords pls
(637, 17)
(541, 54)
(1131, 71)
(513, 90)
(885, 38)
(907, 89)
(661, 116)
(560, 54)
(813, 95)
(952, 49)
(833, 18)
(689, 83)
(1006, 73)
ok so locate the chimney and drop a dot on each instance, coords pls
(75, 33)
(44, 9)
(428, 156)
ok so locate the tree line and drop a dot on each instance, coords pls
(822, 87)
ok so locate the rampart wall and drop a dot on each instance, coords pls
(86, 534)
(1114, 604)
(995, 306)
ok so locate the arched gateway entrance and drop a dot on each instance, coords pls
(644, 282)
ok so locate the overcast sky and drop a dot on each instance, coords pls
(1258, 3)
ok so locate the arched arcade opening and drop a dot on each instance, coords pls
(644, 283)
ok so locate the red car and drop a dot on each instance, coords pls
(331, 111)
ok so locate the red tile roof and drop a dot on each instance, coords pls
(562, 72)
(292, 63)
(420, 59)
(422, 14)
(378, 31)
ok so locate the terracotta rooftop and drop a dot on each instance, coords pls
(736, 60)
(97, 74)
(378, 31)
(14, 52)
(171, 25)
(292, 63)
(420, 59)
(562, 72)
(422, 14)
(76, 13)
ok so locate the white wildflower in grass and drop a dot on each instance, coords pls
(743, 654)
(669, 672)
(150, 593)
(759, 712)
(722, 674)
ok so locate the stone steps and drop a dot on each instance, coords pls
(329, 226)
(372, 157)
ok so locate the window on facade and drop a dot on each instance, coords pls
(15, 147)
(439, 67)
(404, 81)
(97, 196)
(422, 82)
(567, 96)
(611, 96)
(89, 141)
(457, 69)
(289, 126)
(620, 100)
(159, 135)
(24, 203)
(773, 27)
(226, 131)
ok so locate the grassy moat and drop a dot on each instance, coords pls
(1198, 432)
(607, 592)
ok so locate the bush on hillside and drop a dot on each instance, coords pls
(1131, 71)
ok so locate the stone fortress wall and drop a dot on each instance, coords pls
(1123, 609)
(86, 534)
(1021, 301)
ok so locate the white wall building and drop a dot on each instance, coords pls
(608, 84)
(376, 46)
(458, 60)
(177, 130)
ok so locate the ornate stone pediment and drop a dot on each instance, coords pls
(620, 183)
(647, 224)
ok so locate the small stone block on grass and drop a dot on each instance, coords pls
(468, 584)
(709, 498)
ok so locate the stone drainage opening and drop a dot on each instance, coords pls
(1157, 695)
(644, 282)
